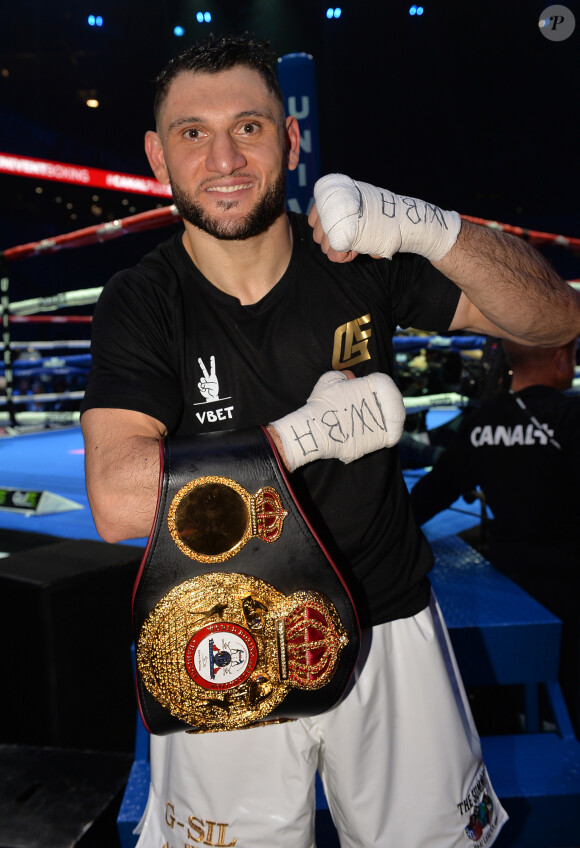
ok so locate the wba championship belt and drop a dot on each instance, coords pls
(240, 616)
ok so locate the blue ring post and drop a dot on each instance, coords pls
(297, 77)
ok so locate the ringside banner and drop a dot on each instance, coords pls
(42, 169)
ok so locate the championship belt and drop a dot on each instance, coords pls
(240, 616)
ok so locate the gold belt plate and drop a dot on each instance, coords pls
(221, 651)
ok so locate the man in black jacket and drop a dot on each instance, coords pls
(522, 449)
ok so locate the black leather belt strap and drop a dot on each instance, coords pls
(240, 616)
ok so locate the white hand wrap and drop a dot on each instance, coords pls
(360, 217)
(343, 419)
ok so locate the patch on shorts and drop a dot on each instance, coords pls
(481, 812)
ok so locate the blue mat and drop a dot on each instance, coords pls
(53, 461)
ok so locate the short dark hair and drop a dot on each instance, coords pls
(220, 53)
(532, 356)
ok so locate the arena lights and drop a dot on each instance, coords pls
(178, 31)
(203, 17)
(95, 20)
(416, 10)
(333, 13)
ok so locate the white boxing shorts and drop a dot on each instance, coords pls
(399, 757)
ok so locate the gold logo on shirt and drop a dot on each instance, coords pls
(351, 343)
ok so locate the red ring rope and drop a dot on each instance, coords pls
(51, 319)
(169, 215)
(97, 233)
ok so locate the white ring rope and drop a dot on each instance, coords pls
(80, 297)
(412, 404)
(44, 345)
(446, 400)
(48, 396)
(40, 420)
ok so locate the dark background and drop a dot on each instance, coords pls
(468, 106)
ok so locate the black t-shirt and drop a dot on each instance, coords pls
(168, 343)
(529, 473)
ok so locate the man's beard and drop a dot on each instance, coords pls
(267, 210)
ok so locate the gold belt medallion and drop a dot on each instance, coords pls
(212, 518)
(221, 651)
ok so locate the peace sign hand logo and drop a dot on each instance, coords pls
(208, 385)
